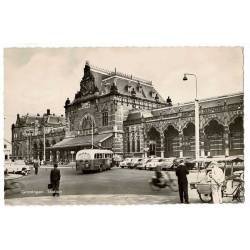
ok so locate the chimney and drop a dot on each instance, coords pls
(48, 111)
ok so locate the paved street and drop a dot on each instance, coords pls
(117, 186)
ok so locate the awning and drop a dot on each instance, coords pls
(81, 141)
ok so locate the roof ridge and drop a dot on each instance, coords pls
(118, 73)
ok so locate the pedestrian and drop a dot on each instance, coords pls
(36, 165)
(217, 179)
(55, 177)
(181, 173)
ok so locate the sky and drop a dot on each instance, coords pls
(37, 79)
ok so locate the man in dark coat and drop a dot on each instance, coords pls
(36, 165)
(55, 177)
(181, 173)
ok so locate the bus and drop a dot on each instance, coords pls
(92, 160)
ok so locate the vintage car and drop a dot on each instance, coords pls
(17, 167)
(142, 163)
(153, 163)
(125, 162)
(166, 163)
(134, 162)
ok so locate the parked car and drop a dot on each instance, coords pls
(17, 167)
(125, 162)
(133, 163)
(166, 163)
(152, 163)
(142, 163)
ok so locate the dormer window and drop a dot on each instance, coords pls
(153, 94)
(139, 88)
(157, 98)
(133, 93)
(129, 89)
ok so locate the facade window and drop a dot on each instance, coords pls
(5, 146)
(138, 144)
(133, 142)
(105, 118)
(128, 145)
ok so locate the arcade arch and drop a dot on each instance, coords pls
(154, 142)
(214, 143)
(171, 142)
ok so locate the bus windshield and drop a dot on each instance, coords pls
(83, 156)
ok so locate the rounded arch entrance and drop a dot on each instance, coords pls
(189, 140)
(214, 143)
(236, 137)
(171, 142)
(154, 142)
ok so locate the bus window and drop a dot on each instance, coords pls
(98, 156)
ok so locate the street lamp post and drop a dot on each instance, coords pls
(196, 114)
(92, 136)
(44, 146)
(29, 133)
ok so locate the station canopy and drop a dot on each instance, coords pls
(82, 141)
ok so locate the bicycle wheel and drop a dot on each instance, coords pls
(153, 187)
(239, 195)
(205, 198)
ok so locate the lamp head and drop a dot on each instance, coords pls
(185, 77)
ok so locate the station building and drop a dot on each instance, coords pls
(126, 114)
(100, 108)
(32, 135)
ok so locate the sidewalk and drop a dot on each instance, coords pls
(128, 199)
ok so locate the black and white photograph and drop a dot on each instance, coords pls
(124, 126)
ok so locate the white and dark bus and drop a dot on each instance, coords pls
(90, 160)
